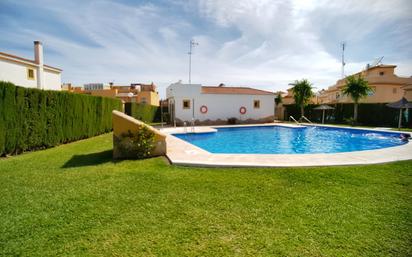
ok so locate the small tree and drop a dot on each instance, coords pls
(302, 93)
(357, 88)
(278, 99)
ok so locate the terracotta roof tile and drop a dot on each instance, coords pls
(234, 90)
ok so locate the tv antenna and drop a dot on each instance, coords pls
(377, 61)
(191, 45)
(343, 59)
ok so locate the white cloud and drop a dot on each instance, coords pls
(262, 43)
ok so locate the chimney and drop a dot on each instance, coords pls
(38, 52)
(38, 59)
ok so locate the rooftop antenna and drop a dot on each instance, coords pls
(377, 61)
(191, 45)
(343, 59)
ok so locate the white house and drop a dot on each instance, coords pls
(189, 102)
(30, 73)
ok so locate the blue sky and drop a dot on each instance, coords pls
(261, 43)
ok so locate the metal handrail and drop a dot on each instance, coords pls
(303, 117)
(193, 125)
(291, 117)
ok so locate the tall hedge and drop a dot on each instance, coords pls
(34, 119)
(368, 114)
(144, 112)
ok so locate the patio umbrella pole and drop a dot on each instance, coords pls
(323, 117)
(403, 103)
(323, 108)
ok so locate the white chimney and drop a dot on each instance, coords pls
(38, 59)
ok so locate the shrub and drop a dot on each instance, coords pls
(232, 121)
(369, 114)
(144, 112)
(350, 121)
(33, 119)
(137, 145)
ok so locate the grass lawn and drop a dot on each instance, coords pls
(72, 200)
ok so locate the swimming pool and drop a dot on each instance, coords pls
(285, 140)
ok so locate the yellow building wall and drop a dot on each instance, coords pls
(386, 85)
(104, 92)
(408, 93)
(148, 97)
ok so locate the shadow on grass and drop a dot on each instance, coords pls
(89, 159)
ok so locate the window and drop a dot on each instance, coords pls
(30, 74)
(394, 90)
(143, 100)
(186, 104)
(256, 104)
(372, 92)
(381, 73)
(337, 95)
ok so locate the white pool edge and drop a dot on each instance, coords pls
(180, 152)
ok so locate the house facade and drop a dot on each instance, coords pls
(134, 93)
(195, 102)
(386, 87)
(30, 73)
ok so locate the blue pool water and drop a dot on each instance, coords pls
(283, 140)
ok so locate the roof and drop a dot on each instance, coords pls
(234, 91)
(18, 58)
(382, 66)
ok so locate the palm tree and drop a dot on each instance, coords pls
(302, 93)
(357, 88)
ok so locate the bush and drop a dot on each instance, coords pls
(232, 121)
(144, 112)
(137, 145)
(368, 114)
(33, 119)
(350, 121)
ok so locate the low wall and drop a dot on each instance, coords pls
(123, 123)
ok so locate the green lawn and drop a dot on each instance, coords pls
(72, 200)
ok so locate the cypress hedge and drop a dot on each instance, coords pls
(33, 119)
(368, 114)
(144, 112)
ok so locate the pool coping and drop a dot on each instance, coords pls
(180, 152)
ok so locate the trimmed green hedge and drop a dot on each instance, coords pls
(34, 119)
(368, 114)
(144, 112)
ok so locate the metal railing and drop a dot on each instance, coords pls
(291, 117)
(306, 119)
(193, 126)
(184, 127)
